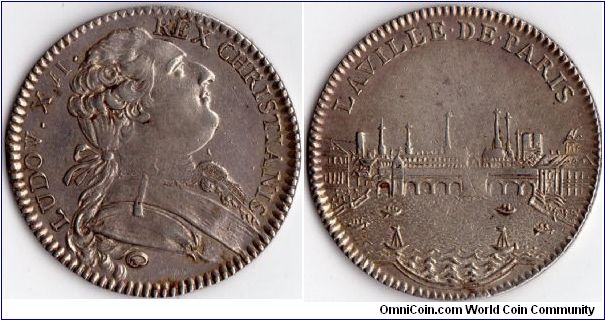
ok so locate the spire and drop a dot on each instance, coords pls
(497, 142)
(409, 149)
(382, 150)
(509, 148)
(361, 144)
(448, 143)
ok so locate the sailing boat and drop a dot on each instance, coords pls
(502, 243)
(396, 242)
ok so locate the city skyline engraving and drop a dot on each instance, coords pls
(378, 186)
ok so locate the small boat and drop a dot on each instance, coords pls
(356, 203)
(543, 228)
(359, 223)
(391, 211)
(506, 209)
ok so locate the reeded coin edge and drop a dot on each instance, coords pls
(319, 196)
(25, 199)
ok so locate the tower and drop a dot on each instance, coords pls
(382, 150)
(538, 144)
(361, 144)
(497, 142)
(519, 145)
(397, 174)
(509, 148)
(409, 149)
(448, 143)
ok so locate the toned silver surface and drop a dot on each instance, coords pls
(454, 152)
(153, 151)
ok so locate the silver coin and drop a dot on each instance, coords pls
(153, 151)
(454, 152)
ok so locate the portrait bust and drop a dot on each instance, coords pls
(144, 108)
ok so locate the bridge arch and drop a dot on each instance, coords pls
(495, 188)
(511, 187)
(525, 188)
(456, 188)
(441, 188)
(383, 188)
(517, 187)
(425, 187)
(411, 187)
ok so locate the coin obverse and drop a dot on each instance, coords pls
(454, 152)
(153, 151)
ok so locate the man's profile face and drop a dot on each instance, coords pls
(180, 114)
